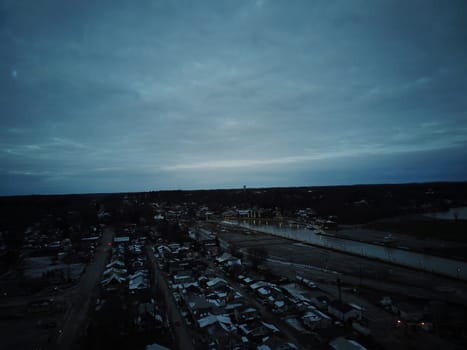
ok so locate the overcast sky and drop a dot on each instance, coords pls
(113, 95)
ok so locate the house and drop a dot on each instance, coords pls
(246, 280)
(192, 288)
(210, 319)
(216, 282)
(178, 266)
(114, 270)
(243, 213)
(115, 263)
(315, 319)
(138, 264)
(321, 302)
(87, 242)
(344, 312)
(295, 324)
(138, 282)
(276, 343)
(306, 282)
(198, 306)
(296, 293)
(145, 315)
(279, 306)
(122, 240)
(210, 247)
(247, 315)
(233, 308)
(341, 343)
(44, 305)
(361, 329)
(228, 260)
(258, 329)
(113, 282)
(408, 312)
(220, 332)
(262, 292)
(182, 278)
(311, 320)
(156, 346)
(135, 249)
(259, 284)
(229, 214)
(164, 250)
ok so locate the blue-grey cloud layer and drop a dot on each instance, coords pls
(125, 96)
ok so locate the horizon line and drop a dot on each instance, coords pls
(228, 189)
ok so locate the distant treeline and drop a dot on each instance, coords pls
(351, 204)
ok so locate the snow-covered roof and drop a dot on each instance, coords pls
(199, 302)
(322, 314)
(116, 271)
(233, 306)
(122, 239)
(247, 280)
(357, 307)
(115, 263)
(244, 329)
(295, 291)
(340, 343)
(223, 257)
(263, 347)
(211, 319)
(113, 277)
(263, 291)
(156, 346)
(259, 284)
(136, 274)
(250, 309)
(182, 277)
(137, 283)
(214, 281)
(279, 303)
(93, 238)
(312, 317)
(271, 327)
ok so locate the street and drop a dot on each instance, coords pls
(84, 295)
(176, 320)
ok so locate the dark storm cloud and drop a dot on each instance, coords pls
(118, 95)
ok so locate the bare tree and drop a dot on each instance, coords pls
(257, 256)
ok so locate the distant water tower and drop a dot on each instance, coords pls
(244, 187)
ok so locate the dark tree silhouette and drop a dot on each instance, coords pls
(257, 256)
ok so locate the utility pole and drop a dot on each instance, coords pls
(339, 289)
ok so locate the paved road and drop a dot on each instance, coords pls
(84, 295)
(184, 339)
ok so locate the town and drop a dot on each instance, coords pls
(235, 269)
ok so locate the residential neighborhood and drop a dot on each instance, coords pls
(150, 274)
